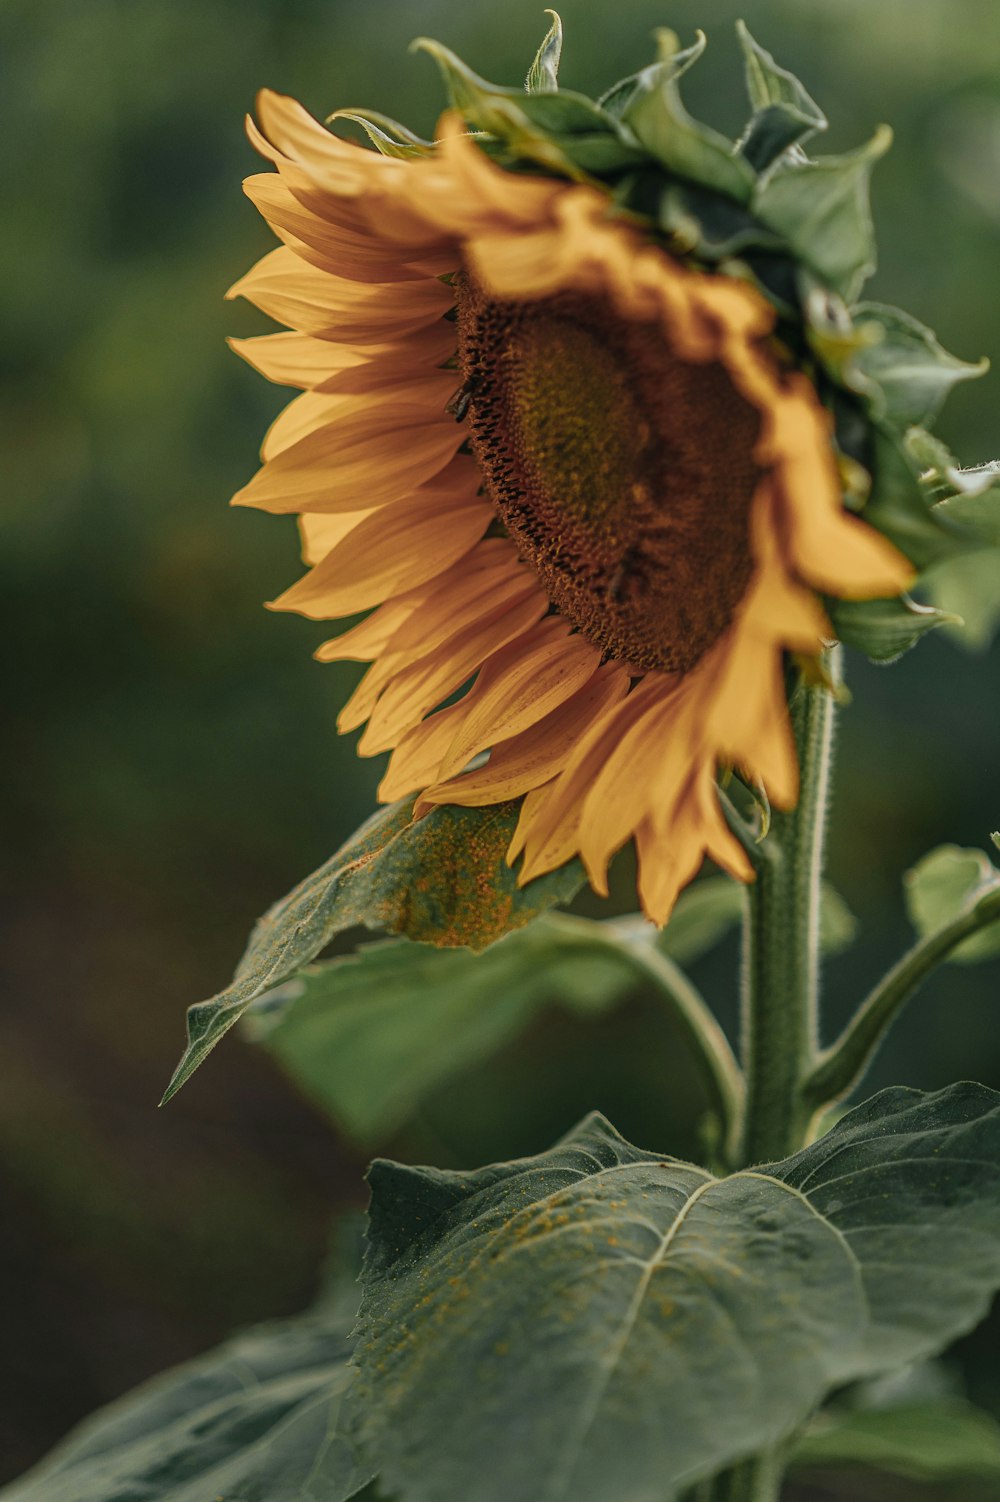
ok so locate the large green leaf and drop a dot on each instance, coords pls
(261, 1419)
(369, 1036)
(948, 882)
(442, 879)
(637, 1323)
(822, 209)
(924, 1442)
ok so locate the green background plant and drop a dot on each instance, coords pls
(172, 765)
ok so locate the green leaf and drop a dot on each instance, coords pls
(903, 368)
(948, 882)
(784, 114)
(442, 879)
(386, 135)
(821, 208)
(543, 75)
(261, 1419)
(369, 1036)
(885, 629)
(638, 1323)
(655, 114)
(922, 1442)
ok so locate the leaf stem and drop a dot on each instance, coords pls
(841, 1066)
(754, 1480)
(781, 943)
(709, 1044)
(713, 1056)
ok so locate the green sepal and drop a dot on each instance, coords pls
(822, 210)
(784, 114)
(540, 127)
(901, 507)
(713, 227)
(970, 584)
(568, 1297)
(973, 503)
(441, 879)
(948, 882)
(884, 629)
(543, 75)
(386, 135)
(900, 366)
(946, 1441)
(656, 116)
(672, 62)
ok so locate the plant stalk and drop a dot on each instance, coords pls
(781, 944)
(754, 1480)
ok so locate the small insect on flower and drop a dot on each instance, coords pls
(609, 537)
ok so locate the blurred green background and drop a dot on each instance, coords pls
(170, 759)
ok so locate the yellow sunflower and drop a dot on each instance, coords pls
(573, 479)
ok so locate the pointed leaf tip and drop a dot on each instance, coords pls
(543, 75)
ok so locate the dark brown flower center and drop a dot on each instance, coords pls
(623, 473)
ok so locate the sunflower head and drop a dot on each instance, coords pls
(597, 441)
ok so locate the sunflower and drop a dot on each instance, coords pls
(587, 496)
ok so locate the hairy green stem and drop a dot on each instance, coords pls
(843, 1065)
(781, 945)
(754, 1480)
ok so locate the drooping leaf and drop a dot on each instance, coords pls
(885, 629)
(638, 1323)
(784, 114)
(442, 879)
(902, 367)
(948, 1441)
(261, 1419)
(372, 1035)
(948, 882)
(543, 75)
(821, 208)
(655, 114)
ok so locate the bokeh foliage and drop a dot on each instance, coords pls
(171, 763)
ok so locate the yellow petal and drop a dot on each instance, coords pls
(536, 755)
(321, 534)
(372, 455)
(366, 568)
(417, 690)
(316, 302)
(519, 686)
